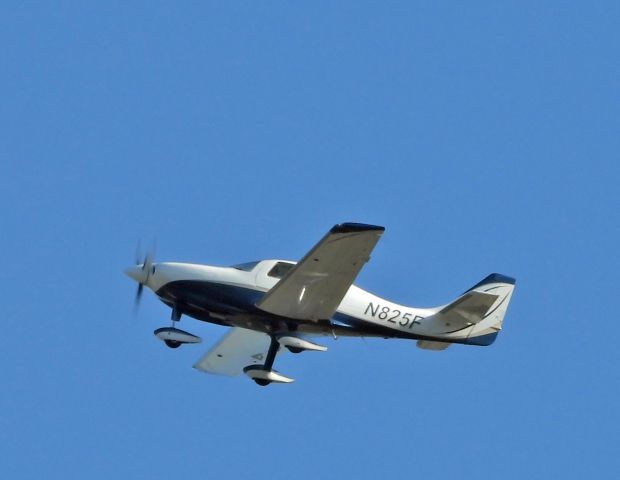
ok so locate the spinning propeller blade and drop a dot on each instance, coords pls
(136, 302)
(141, 272)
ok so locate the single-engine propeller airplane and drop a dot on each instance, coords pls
(273, 305)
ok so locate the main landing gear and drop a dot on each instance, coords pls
(263, 375)
(174, 337)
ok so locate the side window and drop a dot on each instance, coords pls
(280, 269)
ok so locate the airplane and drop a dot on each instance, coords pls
(278, 305)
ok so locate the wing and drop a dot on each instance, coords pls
(314, 288)
(466, 310)
(239, 348)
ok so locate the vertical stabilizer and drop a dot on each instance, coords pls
(476, 317)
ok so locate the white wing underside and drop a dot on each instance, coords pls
(314, 288)
(238, 349)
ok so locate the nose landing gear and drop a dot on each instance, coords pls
(172, 343)
(175, 337)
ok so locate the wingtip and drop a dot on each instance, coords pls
(350, 227)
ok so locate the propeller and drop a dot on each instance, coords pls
(141, 272)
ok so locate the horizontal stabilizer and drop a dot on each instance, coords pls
(428, 345)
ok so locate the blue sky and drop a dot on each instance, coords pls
(483, 136)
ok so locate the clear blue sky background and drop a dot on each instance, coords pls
(483, 135)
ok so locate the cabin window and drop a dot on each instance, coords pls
(280, 269)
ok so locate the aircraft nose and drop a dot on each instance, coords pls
(136, 273)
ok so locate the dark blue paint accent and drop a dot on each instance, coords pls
(364, 327)
(482, 340)
(210, 296)
(355, 227)
(493, 278)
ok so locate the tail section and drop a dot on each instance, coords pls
(486, 330)
(476, 317)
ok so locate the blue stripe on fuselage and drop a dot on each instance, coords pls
(211, 296)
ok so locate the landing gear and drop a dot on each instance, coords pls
(175, 315)
(297, 344)
(263, 375)
(174, 337)
(274, 346)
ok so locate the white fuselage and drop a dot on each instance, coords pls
(360, 312)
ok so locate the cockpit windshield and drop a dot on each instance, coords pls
(246, 267)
